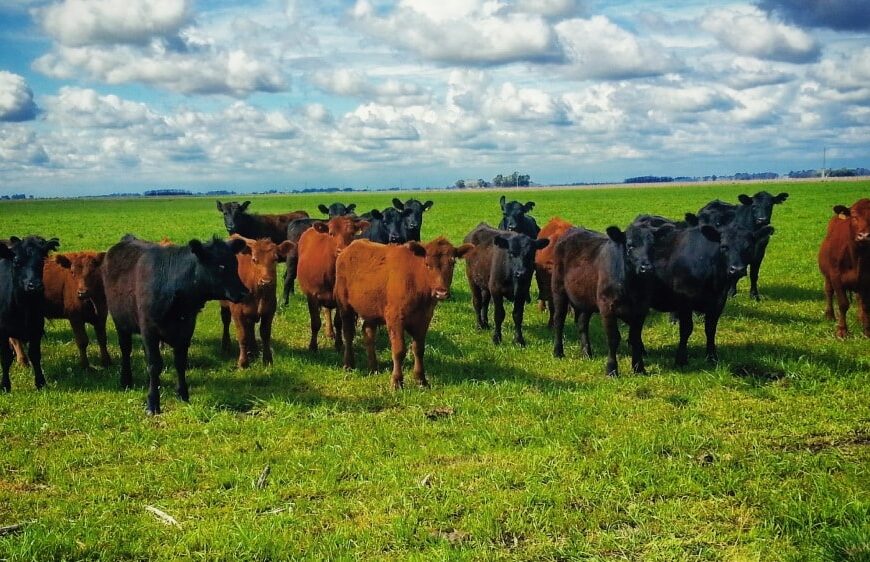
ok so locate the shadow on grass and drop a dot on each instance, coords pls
(789, 293)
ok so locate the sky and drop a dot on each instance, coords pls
(102, 96)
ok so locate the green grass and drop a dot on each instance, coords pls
(761, 457)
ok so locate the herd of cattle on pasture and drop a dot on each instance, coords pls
(373, 268)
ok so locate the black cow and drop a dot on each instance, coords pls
(694, 269)
(294, 233)
(158, 291)
(501, 267)
(21, 301)
(752, 213)
(412, 216)
(255, 226)
(385, 227)
(515, 219)
(610, 274)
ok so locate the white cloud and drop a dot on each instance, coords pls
(748, 31)
(351, 83)
(16, 98)
(76, 23)
(846, 72)
(78, 107)
(20, 148)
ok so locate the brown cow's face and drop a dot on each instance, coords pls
(859, 217)
(265, 256)
(85, 270)
(344, 228)
(440, 258)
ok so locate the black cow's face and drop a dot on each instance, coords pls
(337, 209)
(638, 243)
(412, 216)
(514, 213)
(392, 221)
(718, 218)
(231, 211)
(762, 206)
(28, 258)
(520, 252)
(218, 268)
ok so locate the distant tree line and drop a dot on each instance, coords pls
(16, 196)
(649, 179)
(515, 179)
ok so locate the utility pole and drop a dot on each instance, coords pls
(824, 162)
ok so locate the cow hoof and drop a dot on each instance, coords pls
(397, 385)
(183, 394)
(496, 339)
(312, 347)
(842, 333)
(423, 384)
(681, 361)
(40, 384)
(520, 342)
(558, 354)
(712, 358)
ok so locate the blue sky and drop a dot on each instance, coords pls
(100, 96)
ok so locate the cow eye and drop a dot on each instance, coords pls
(255, 260)
(222, 267)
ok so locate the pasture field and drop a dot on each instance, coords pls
(511, 454)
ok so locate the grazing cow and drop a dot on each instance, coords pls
(158, 291)
(753, 213)
(394, 285)
(552, 231)
(255, 226)
(501, 267)
(695, 267)
(318, 249)
(258, 271)
(294, 232)
(412, 216)
(609, 274)
(515, 219)
(844, 260)
(386, 227)
(21, 301)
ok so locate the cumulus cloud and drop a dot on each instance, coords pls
(77, 23)
(353, 84)
(846, 71)
(81, 107)
(850, 15)
(20, 147)
(598, 48)
(473, 32)
(748, 31)
(16, 98)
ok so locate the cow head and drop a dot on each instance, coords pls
(736, 245)
(412, 216)
(859, 220)
(342, 229)
(520, 253)
(264, 256)
(337, 209)
(85, 270)
(217, 270)
(440, 258)
(232, 212)
(28, 259)
(514, 213)
(391, 222)
(637, 244)
(762, 206)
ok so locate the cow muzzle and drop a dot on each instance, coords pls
(33, 286)
(735, 271)
(645, 268)
(266, 282)
(83, 294)
(441, 294)
(862, 237)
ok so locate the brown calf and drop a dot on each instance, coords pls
(544, 260)
(319, 246)
(74, 290)
(844, 260)
(257, 270)
(394, 285)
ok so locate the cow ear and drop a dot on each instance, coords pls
(62, 261)
(14, 239)
(285, 248)
(98, 259)
(220, 206)
(529, 206)
(780, 198)
(502, 201)
(363, 225)
(541, 243)
(711, 233)
(615, 234)
(323, 209)
(663, 229)
(501, 242)
(350, 208)
(416, 248)
(377, 215)
(52, 244)
(764, 231)
(6, 253)
(745, 199)
(320, 226)
(239, 246)
(244, 206)
(461, 251)
(691, 219)
(398, 204)
(428, 205)
(197, 248)
(842, 210)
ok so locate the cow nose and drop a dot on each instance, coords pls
(520, 273)
(441, 294)
(33, 286)
(761, 220)
(265, 281)
(862, 236)
(83, 293)
(645, 267)
(394, 238)
(734, 270)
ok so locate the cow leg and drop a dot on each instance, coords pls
(477, 303)
(583, 328)
(338, 338)
(314, 314)
(34, 353)
(753, 280)
(733, 290)
(418, 347)
(125, 342)
(226, 317)
(290, 276)
(81, 337)
(711, 321)
(635, 340)
(20, 355)
(266, 338)
(397, 346)
(686, 327)
(6, 356)
(330, 329)
(829, 299)
(181, 369)
(843, 304)
(499, 314)
(244, 333)
(484, 307)
(155, 366)
(611, 329)
(560, 305)
(348, 328)
(102, 341)
(863, 314)
(370, 331)
(519, 308)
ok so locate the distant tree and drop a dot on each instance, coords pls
(482, 183)
(460, 184)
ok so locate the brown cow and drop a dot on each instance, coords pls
(319, 246)
(544, 260)
(844, 260)
(394, 285)
(74, 290)
(257, 270)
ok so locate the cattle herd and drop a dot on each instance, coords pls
(374, 269)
